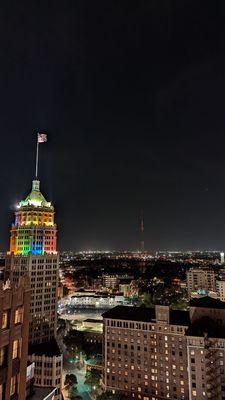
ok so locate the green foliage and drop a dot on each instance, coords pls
(73, 341)
(147, 300)
(70, 380)
(72, 392)
(164, 293)
(61, 324)
(92, 378)
(75, 344)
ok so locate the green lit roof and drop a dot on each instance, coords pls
(35, 197)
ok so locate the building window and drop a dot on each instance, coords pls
(4, 320)
(19, 315)
(2, 391)
(2, 357)
(13, 386)
(15, 349)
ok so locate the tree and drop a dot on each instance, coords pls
(147, 300)
(61, 324)
(72, 392)
(73, 342)
(70, 380)
(92, 378)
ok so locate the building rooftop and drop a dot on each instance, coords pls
(206, 326)
(207, 302)
(142, 314)
(50, 349)
(179, 317)
(130, 313)
(92, 320)
(42, 393)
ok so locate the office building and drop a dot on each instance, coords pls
(33, 250)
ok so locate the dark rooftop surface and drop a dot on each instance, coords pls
(130, 313)
(50, 349)
(206, 325)
(41, 393)
(97, 321)
(142, 314)
(207, 302)
(179, 317)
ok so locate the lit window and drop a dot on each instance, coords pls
(4, 320)
(19, 315)
(13, 386)
(2, 356)
(15, 349)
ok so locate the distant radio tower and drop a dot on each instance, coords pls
(142, 233)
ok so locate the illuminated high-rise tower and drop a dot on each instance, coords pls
(33, 249)
(34, 230)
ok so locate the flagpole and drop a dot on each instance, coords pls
(36, 169)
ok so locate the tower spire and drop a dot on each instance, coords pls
(142, 232)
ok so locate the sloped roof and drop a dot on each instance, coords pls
(35, 197)
(207, 302)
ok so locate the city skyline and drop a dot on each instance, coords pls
(134, 112)
(112, 239)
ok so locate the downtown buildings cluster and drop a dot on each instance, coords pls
(155, 353)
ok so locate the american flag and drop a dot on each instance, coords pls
(42, 137)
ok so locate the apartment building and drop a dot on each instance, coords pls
(145, 353)
(159, 353)
(199, 279)
(110, 281)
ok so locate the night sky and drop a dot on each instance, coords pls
(132, 96)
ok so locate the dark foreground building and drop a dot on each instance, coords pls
(159, 353)
(14, 322)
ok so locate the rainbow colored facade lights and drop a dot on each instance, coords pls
(34, 231)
